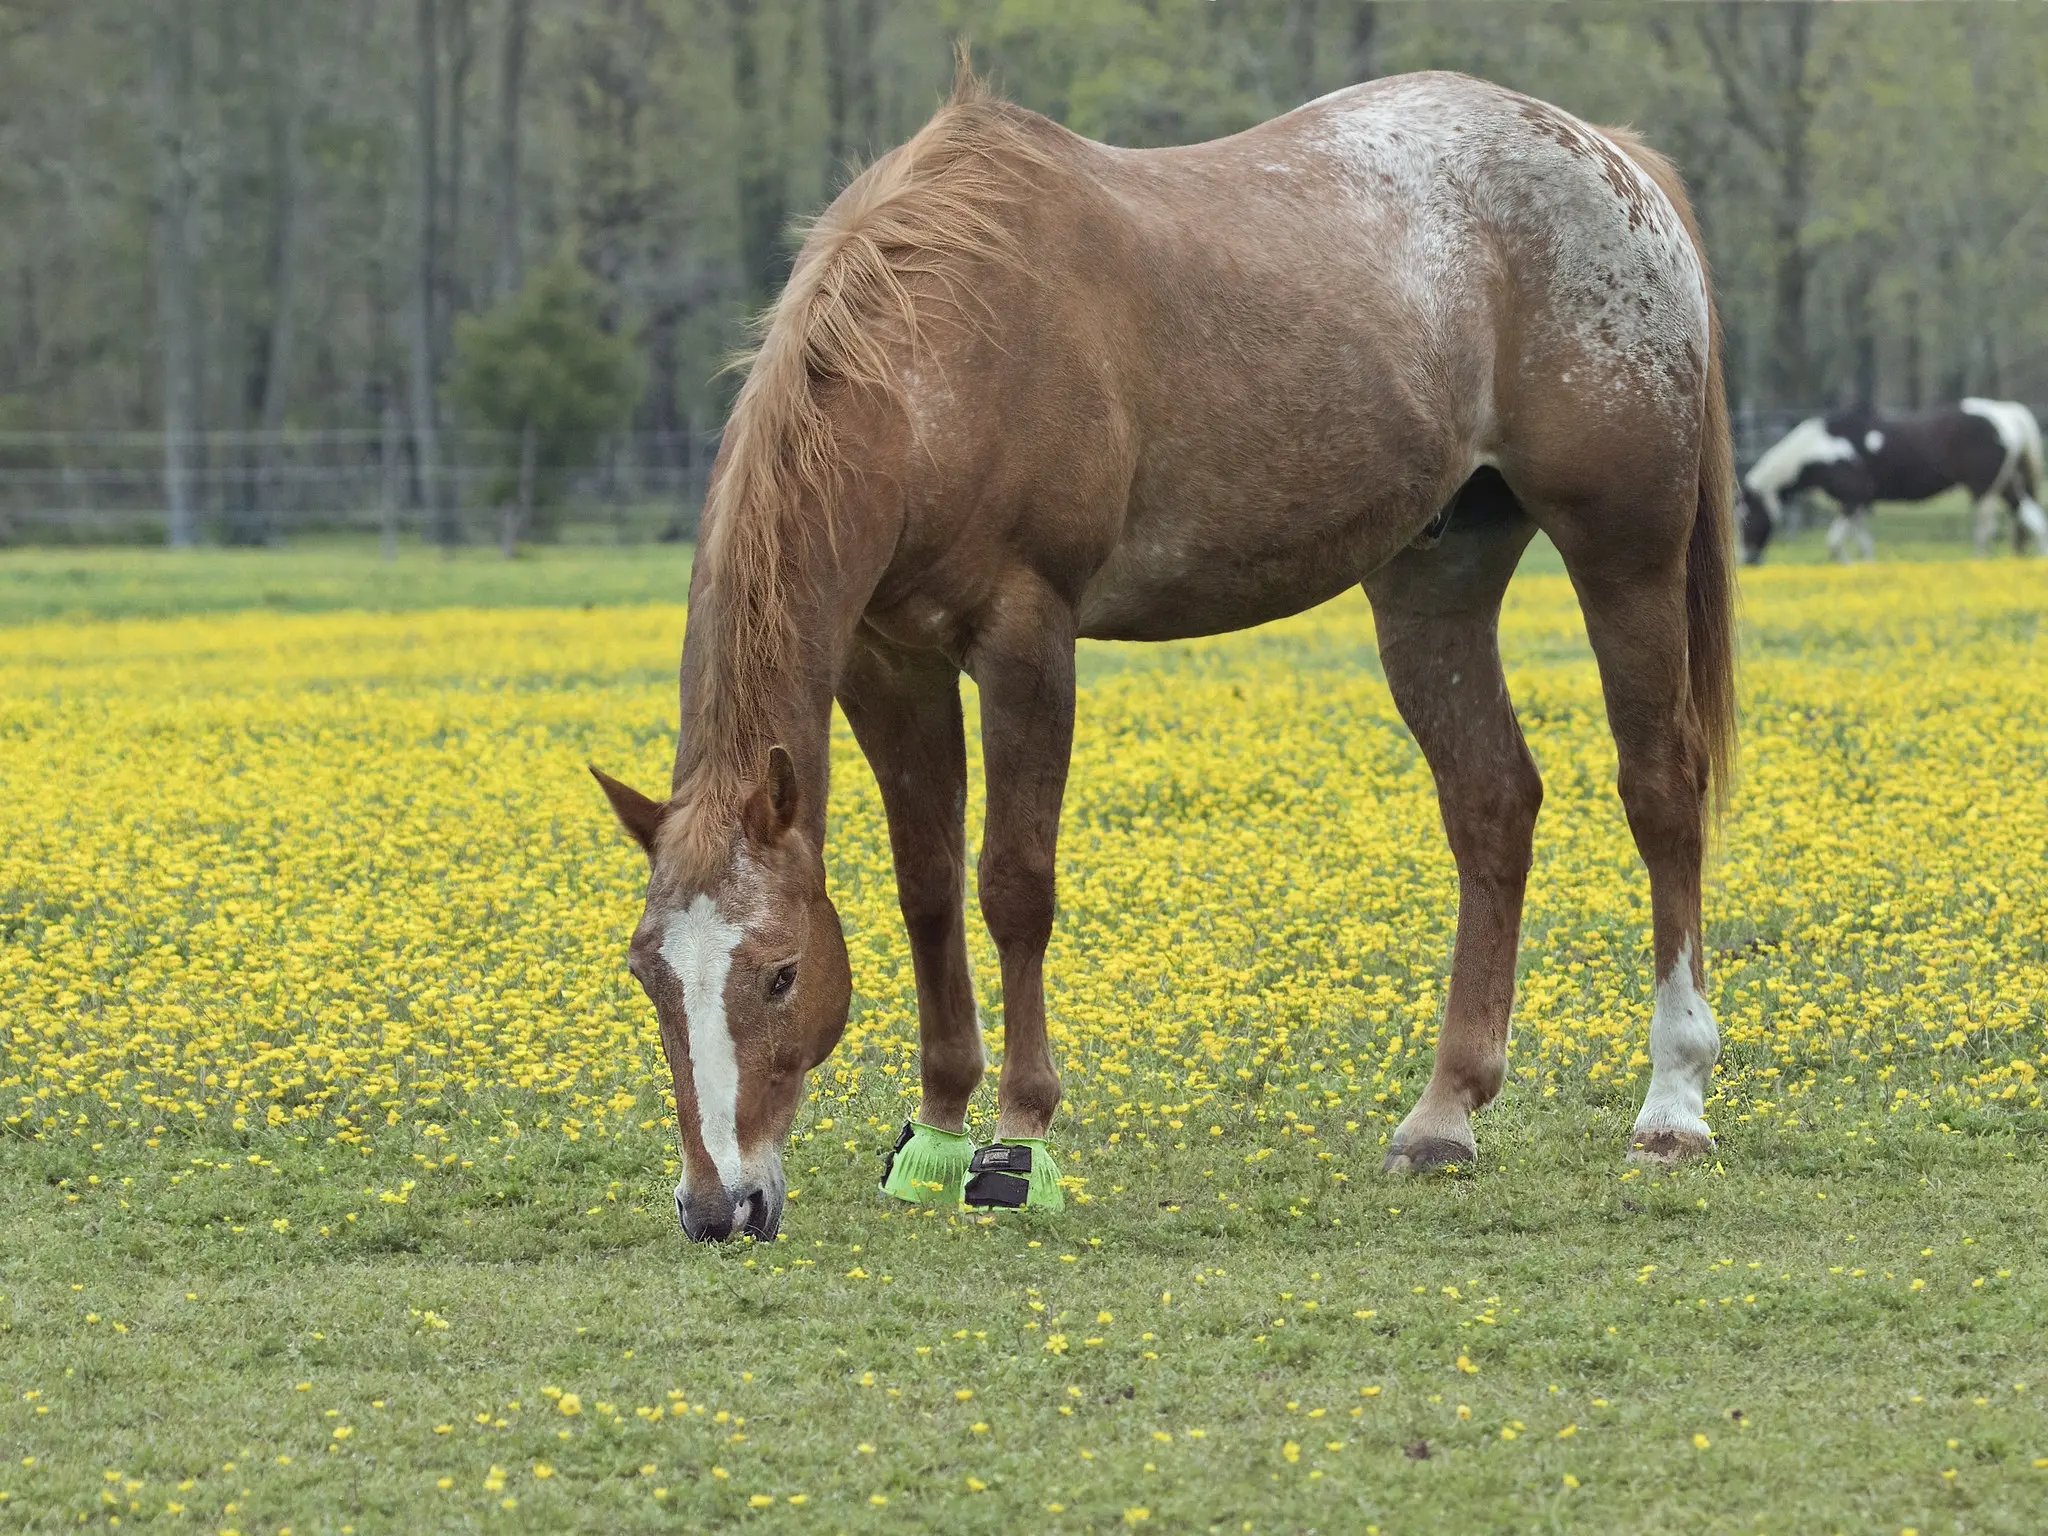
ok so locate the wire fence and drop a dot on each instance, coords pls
(263, 487)
(260, 488)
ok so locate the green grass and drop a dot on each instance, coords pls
(193, 1319)
(40, 584)
(342, 572)
(1763, 1303)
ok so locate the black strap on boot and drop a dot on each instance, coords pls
(889, 1157)
(999, 1175)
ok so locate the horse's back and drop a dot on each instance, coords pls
(1448, 239)
(1348, 308)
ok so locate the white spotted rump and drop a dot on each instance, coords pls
(698, 948)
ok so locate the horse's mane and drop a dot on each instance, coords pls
(893, 246)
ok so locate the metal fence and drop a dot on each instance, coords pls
(256, 487)
(1755, 430)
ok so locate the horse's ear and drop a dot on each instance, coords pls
(637, 814)
(771, 809)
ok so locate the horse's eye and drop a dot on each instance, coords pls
(780, 983)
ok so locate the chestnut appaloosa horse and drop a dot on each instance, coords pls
(1023, 388)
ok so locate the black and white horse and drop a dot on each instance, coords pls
(1992, 448)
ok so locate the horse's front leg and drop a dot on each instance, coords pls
(904, 707)
(1023, 665)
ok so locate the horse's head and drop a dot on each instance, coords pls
(740, 950)
(1758, 524)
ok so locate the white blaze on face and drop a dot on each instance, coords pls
(698, 948)
(1684, 1045)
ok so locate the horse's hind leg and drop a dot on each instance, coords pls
(1437, 612)
(1984, 523)
(1629, 568)
(2027, 518)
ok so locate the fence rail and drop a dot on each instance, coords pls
(256, 487)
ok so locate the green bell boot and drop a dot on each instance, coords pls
(927, 1166)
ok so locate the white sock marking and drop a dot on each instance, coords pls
(2036, 522)
(1984, 527)
(698, 948)
(1684, 1045)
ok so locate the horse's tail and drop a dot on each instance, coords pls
(1710, 557)
(2033, 483)
(2036, 483)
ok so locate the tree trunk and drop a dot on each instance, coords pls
(1862, 330)
(392, 451)
(171, 86)
(863, 97)
(1793, 358)
(425, 363)
(763, 195)
(455, 179)
(511, 98)
(1365, 25)
(519, 514)
(281, 21)
(1760, 54)
(832, 22)
(1914, 363)
(1300, 32)
(661, 408)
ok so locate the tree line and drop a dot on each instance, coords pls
(248, 215)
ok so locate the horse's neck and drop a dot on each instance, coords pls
(783, 575)
(747, 687)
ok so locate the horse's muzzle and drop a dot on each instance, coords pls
(717, 1216)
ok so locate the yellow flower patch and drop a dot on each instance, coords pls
(344, 876)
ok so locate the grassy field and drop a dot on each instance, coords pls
(315, 575)
(319, 575)
(337, 1160)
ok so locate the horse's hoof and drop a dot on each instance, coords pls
(1430, 1155)
(1669, 1148)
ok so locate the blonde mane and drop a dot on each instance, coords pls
(899, 237)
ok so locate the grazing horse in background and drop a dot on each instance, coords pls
(1023, 388)
(1992, 448)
